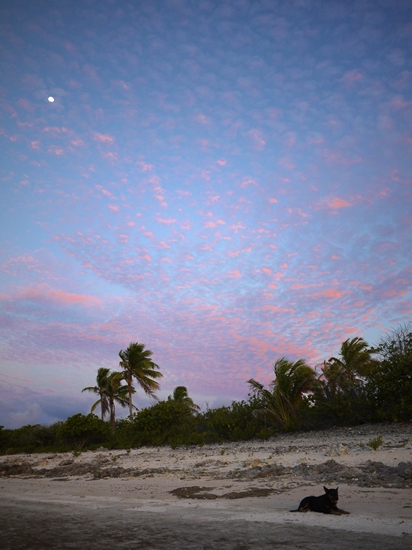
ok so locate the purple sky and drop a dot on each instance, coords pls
(228, 182)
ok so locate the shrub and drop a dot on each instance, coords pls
(375, 443)
(166, 422)
(235, 422)
(29, 438)
(80, 429)
(390, 389)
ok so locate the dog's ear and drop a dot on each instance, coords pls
(326, 490)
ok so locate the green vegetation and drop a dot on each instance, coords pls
(283, 402)
(100, 390)
(136, 364)
(80, 429)
(375, 443)
(390, 386)
(111, 391)
(362, 384)
(340, 396)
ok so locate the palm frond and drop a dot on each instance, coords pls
(283, 399)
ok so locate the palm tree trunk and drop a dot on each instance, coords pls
(129, 386)
(101, 405)
(112, 416)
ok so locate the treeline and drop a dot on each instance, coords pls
(362, 384)
(167, 422)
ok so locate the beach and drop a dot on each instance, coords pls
(227, 496)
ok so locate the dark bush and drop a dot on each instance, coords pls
(390, 389)
(80, 430)
(29, 438)
(235, 422)
(167, 422)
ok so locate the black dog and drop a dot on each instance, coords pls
(326, 504)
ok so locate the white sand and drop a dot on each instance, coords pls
(377, 510)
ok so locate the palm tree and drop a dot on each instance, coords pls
(100, 390)
(116, 393)
(354, 362)
(136, 363)
(181, 395)
(282, 401)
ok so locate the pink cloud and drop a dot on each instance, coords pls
(55, 130)
(46, 293)
(26, 260)
(186, 225)
(278, 309)
(328, 293)
(400, 103)
(290, 140)
(121, 84)
(55, 150)
(202, 119)
(183, 193)
(390, 293)
(299, 286)
(234, 274)
(145, 166)
(234, 253)
(257, 139)
(352, 76)
(337, 158)
(333, 203)
(237, 225)
(167, 221)
(104, 191)
(248, 182)
(286, 162)
(112, 157)
(10, 378)
(104, 138)
(337, 203)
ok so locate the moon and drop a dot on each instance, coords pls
(51, 99)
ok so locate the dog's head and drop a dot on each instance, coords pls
(332, 495)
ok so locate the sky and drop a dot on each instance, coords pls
(227, 182)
